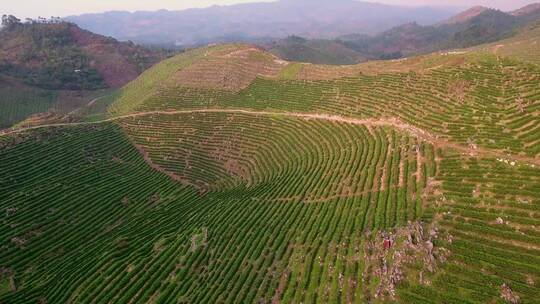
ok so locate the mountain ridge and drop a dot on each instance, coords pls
(255, 21)
(471, 27)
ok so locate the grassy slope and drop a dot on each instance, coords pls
(280, 208)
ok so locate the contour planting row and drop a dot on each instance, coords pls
(304, 160)
(64, 195)
(491, 208)
(291, 238)
(87, 220)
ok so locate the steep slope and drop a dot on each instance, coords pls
(244, 22)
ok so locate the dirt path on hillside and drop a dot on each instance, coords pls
(379, 122)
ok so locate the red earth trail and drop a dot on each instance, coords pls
(376, 122)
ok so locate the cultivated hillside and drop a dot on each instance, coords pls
(227, 175)
(262, 82)
(60, 55)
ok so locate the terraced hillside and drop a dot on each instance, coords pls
(226, 175)
(481, 100)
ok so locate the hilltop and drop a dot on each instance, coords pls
(466, 15)
(321, 51)
(527, 10)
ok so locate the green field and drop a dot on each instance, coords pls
(283, 188)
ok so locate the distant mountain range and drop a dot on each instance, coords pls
(258, 21)
(469, 28)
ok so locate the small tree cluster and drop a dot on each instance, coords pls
(42, 20)
(10, 21)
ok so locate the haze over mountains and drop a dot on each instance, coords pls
(471, 27)
(256, 21)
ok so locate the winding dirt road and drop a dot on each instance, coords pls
(375, 122)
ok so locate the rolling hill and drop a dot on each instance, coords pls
(227, 175)
(475, 26)
(54, 66)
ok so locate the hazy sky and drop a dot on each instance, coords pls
(47, 8)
